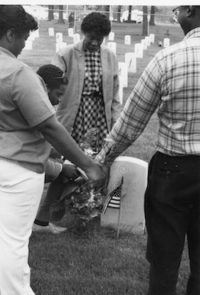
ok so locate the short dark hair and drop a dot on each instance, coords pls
(16, 18)
(52, 75)
(96, 22)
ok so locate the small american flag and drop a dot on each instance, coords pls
(114, 198)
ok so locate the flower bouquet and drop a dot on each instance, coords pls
(78, 197)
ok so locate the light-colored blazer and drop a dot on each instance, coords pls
(71, 60)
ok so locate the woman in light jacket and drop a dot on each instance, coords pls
(91, 99)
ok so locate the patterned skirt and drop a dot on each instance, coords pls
(91, 116)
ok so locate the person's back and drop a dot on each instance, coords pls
(170, 84)
(56, 172)
(27, 128)
(179, 107)
(14, 127)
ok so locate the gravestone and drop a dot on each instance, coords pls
(70, 32)
(59, 37)
(51, 32)
(127, 40)
(121, 92)
(148, 40)
(36, 34)
(134, 173)
(130, 60)
(123, 73)
(28, 45)
(76, 38)
(111, 36)
(144, 44)
(152, 38)
(60, 46)
(112, 46)
(166, 42)
(138, 50)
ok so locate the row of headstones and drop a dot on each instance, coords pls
(111, 44)
(130, 63)
(126, 67)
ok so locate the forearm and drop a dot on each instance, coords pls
(62, 141)
(111, 150)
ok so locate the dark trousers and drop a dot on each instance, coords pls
(172, 212)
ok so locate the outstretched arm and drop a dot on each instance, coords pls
(61, 140)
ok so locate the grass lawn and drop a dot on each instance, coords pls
(95, 263)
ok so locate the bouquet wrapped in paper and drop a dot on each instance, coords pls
(78, 197)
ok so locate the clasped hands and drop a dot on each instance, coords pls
(96, 174)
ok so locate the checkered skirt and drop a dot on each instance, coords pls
(91, 114)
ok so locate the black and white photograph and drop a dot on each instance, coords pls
(99, 148)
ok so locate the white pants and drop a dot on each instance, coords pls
(20, 194)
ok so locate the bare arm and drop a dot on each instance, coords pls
(61, 140)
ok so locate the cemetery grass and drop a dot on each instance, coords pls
(95, 262)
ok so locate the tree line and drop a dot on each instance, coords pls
(151, 11)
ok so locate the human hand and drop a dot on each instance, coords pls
(70, 171)
(97, 174)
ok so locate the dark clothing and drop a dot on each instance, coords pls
(172, 211)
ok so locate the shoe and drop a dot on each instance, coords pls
(50, 228)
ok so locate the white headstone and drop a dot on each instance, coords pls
(111, 36)
(127, 40)
(152, 38)
(144, 44)
(121, 92)
(166, 42)
(123, 73)
(104, 42)
(134, 173)
(36, 33)
(148, 40)
(28, 45)
(60, 45)
(130, 60)
(76, 38)
(31, 37)
(138, 50)
(112, 46)
(70, 32)
(51, 32)
(59, 37)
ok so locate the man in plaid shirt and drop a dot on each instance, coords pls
(170, 84)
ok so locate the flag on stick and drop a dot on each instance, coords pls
(114, 202)
(114, 198)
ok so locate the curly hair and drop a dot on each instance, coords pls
(52, 75)
(16, 18)
(96, 22)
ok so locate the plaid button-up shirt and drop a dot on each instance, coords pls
(171, 84)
